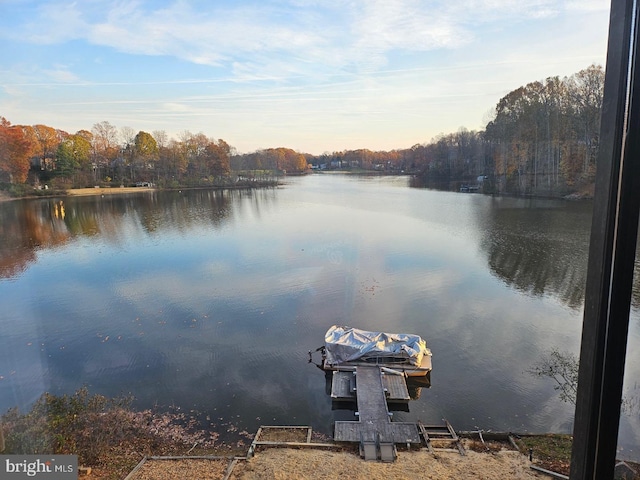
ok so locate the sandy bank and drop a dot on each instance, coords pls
(107, 191)
(288, 463)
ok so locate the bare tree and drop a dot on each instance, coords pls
(105, 147)
(161, 137)
(561, 367)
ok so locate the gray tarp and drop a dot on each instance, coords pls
(347, 344)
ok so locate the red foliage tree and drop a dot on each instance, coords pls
(15, 152)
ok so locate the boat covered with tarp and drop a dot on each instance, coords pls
(347, 347)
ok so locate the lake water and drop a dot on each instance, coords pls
(210, 300)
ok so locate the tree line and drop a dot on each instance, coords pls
(542, 139)
(108, 155)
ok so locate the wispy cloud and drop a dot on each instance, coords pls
(60, 74)
(357, 34)
(285, 72)
(51, 23)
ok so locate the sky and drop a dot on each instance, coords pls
(313, 75)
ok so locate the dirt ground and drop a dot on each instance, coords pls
(290, 463)
(182, 469)
(281, 464)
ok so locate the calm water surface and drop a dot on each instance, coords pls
(211, 300)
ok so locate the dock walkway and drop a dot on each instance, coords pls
(374, 430)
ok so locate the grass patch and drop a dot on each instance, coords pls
(492, 446)
(21, 190)
(552, 452)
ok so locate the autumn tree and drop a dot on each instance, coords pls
(246, 161)
(145, 151)
(86, 134)
(104, 145)
(145, 146)
(73, 155)
(282, 159)
(586, 91)
(202, 157)
(15, 152)
(545, 135)
(47, 140)
(525, 138)
(192, 151)
(217, 158)
(174, 160)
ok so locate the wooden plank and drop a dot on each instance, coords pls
(275, 427)
(230, 468)
(346, 431)
(397, 432)
(425, 436)
(395, 388)
(455, 438)
(296, 444)
(135, 470)
(440, 431)
(372, 403)
(252, 447)
(194, 457)
(451, 431)
(513, 443)
(500, 436)
(341, 386)
(559, 476)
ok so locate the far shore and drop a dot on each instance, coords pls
(586, 194)
(106, 190)
(79, 192)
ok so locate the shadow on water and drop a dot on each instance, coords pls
(542, 253)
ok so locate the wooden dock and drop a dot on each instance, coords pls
(343, 387)
(374, 430)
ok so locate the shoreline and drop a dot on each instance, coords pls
(83, 192)
(111, 438)
(95, 191)
(585, 194)
(77, 192)
(281, 455)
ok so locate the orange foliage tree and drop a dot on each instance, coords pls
(15, 152)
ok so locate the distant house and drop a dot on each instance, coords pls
(39, 163)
